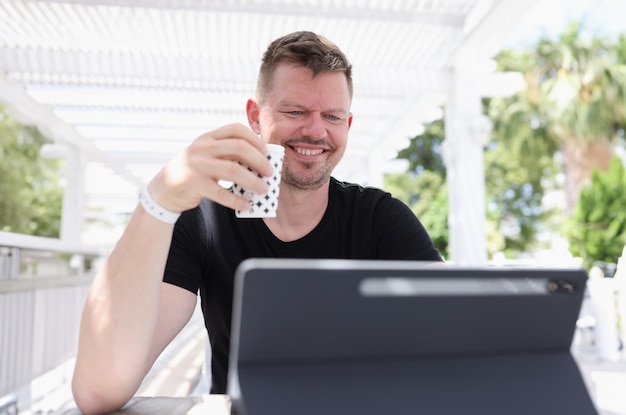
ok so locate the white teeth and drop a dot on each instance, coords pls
(308, 151)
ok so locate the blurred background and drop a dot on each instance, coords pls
(499, 122)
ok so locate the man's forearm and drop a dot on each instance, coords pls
(121, 315)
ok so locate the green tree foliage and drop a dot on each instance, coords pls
(424, 150)
(597, 229)
(518, 173)
(574, 103)
(620, 49)
(31, 199)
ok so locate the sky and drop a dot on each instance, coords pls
(549, 18)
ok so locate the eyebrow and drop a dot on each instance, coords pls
(284, 104)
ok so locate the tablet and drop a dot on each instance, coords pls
(371, 337)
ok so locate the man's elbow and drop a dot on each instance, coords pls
(92, 399)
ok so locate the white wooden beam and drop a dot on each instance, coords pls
(28, 111)
(485, 36)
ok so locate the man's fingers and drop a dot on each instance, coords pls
(232, 171)
(227, 198)
(236, 149)
(242, 132)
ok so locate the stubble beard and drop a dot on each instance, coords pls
(310, 179)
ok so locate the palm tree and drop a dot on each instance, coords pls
(575, 98)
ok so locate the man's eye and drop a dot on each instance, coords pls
(294, 112)
(332, 117)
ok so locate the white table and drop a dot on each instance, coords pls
(194, 405)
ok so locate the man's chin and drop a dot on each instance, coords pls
(305, 183)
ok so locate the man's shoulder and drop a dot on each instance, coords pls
(364, 198)
(356, 189)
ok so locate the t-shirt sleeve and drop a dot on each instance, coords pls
(400, 234)
(186, 261)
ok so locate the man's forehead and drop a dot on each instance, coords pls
(288, 85)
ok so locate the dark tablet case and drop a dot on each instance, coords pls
(398, 337)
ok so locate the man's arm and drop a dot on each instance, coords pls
(402, 235)
(130, 315)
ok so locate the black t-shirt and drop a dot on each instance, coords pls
(209, 242)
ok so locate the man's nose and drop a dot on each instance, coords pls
(314, 126)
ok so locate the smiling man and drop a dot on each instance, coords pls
(184, 238)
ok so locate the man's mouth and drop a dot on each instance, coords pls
(308, 151)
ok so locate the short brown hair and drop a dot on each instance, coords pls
(306, 49)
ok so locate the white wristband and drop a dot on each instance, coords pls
(156, 210)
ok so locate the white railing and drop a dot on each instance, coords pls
(43, 285)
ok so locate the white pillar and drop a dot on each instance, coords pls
(602, 296)
(466, 133)
(73, 196)
(620, 286)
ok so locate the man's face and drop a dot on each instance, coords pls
(310, 117)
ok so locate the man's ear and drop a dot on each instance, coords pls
(252, 110)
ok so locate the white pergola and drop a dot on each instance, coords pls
(121, 85)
